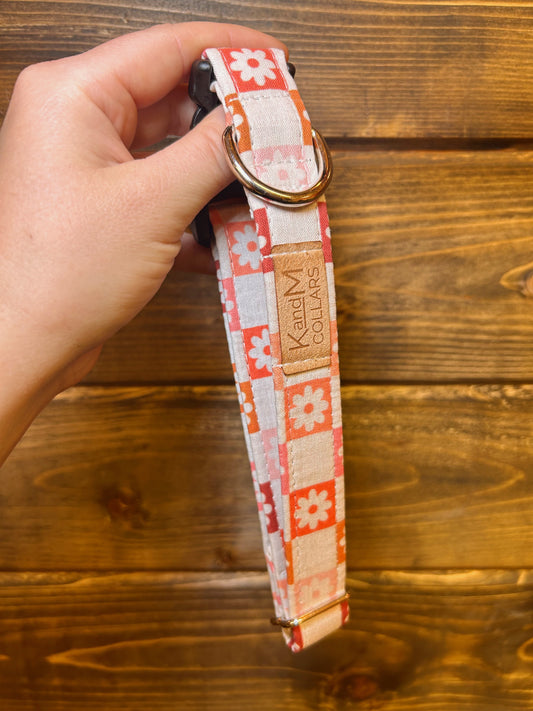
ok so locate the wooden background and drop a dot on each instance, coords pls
(122, 586)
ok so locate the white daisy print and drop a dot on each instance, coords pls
(261, 351)
(312, 509)
(227, 303)
(342, 543)
(308, 409)
(246, 248)
(253, 65)
(267, 508)
(247, 407)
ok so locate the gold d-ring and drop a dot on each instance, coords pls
(270, 193)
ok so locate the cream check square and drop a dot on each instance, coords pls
(292, 421)
(315, 459)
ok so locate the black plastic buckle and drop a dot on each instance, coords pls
(200, 81)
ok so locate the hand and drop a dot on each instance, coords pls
(87, 233)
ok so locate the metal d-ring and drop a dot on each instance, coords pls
(276, 195)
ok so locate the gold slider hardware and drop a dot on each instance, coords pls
(296, 621)
(276, 195)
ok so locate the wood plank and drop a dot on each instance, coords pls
(372, 69)
(158, 478)
(416, 642)
(421, 242)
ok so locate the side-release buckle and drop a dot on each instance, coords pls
(200, 81)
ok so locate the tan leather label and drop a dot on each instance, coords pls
(303, 307)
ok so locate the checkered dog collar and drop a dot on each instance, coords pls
(276, 283)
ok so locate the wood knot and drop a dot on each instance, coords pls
(124, 505)
(519, 279)
(225, 558)
(353, 685)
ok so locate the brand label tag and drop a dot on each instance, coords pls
(303, 306)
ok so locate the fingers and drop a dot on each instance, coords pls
(152, 62)
(170, 116)
(137, 70)
(184, 176)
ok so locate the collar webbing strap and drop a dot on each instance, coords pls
(276, 282)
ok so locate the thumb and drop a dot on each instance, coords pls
(186, 175)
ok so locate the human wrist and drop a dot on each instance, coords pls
(30, 377)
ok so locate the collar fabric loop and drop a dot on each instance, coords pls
(275, 274)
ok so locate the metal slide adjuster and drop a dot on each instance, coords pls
(276, 195)
(297, 621)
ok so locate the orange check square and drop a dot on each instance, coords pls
(312, 508)
(308, 408)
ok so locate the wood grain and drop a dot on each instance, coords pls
(131, 565)
(365, 69)
(158, 478)
(421, 242)
(416, 642)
